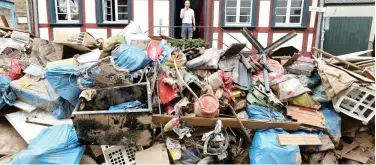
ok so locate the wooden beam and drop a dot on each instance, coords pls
(5, 22)
(227, 122)
(304, 140)
(335, 57)
(11, 29)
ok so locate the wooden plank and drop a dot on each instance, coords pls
(24, 106)
(227, 122)
(157, 154)
(356, 157)
(291, 139)
(11, 29)
(348, 147)
(335, 57)
(5, 22)
(292, 59)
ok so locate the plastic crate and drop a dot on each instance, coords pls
(120, 154)
(356, 102)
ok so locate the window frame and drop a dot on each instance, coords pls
(251, 24)
(52, 6)
(101, 14)
(11, 7)
(303, 15)
(69, 14)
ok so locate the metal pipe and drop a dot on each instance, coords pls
(35, 16)
(318, 30)
(28, 15)
(322, 34)
(281, 41)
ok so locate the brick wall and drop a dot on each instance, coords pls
(21, 12)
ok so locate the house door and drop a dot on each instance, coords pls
(198, 7)
(347, 34)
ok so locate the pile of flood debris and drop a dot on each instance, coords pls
(129, 99)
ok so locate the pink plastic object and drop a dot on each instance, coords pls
(153, 50)
(275, 66)
(210, 107)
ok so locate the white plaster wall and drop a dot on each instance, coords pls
(353, 11)
(114, 32)
(73, 30)
(42, 12)
(215, 40)
(43, 33)
(313, 15)
(228, 40)
(161, 13)
(98, 33)
(309, 43)
(141, 18)
(262, 38)
(90, 14)
(216, 12)
(297, 41)
(263, 20)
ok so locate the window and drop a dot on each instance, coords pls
(239, 12)
(113, 11)
(290, 13)
(65, 11)
(7, 9)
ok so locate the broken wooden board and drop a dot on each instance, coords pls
(27, 131)
(228, 122)
(307, 117)
(356, 157)
(292, 59)
(156, 154)
(303, 140)
(11, 29)
(24, 106)
(43, 117)
(348, 147)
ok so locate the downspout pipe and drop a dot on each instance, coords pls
(319, 26)
(28, 15)
(36, 17)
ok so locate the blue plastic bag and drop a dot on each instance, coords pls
(127, 105)
(332, 121)
(7, 96)
(54, 145)
(130, 58)
(64, 82)
(262, 113)
(265, 148)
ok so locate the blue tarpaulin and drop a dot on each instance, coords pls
(54, 145)
(7, 96)
(265, 148)
(64, 82)
(332, 119)
(130, 58)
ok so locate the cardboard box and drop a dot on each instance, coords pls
(138, 40)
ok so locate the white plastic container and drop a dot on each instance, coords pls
(138, 40)
(120, 154)
(356, 102)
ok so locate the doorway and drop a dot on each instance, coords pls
(198, 7)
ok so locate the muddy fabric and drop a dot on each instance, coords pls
(44, 51)
(334, 80)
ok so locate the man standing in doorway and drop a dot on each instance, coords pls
(188, 17)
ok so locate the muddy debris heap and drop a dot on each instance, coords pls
(130, 99)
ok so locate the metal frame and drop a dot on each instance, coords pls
(149, 109)
(265, 51)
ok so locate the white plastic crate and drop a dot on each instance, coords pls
(120, 154)
(357, 102)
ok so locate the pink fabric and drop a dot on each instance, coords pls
(276, 68)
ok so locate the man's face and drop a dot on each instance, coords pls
(187, 4)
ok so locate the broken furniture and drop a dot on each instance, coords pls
(95, 124)
(356, 102)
